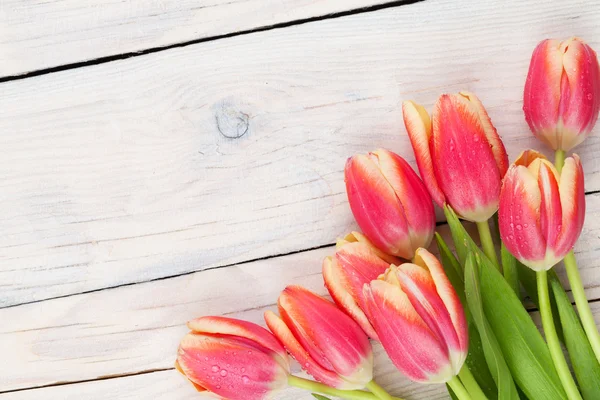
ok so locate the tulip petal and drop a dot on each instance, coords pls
(236, 327)
(413, 195)
(283, 333)
(345, 294)
(550, 208)
(196, 386)
(572, 199)
(330, 336)
(541, 97)
(518, 219)
(354, 236)
(418, 126)
(528, 156)
(413, 348)
(491, 133)
(464, 166)
(231, 367)
(449, 297)
(375, 205)
(418, 285)
(580, 94)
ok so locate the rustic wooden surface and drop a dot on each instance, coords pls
(141, 192)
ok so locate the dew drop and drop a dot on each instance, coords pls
(519, 227)
(243, 370)
(250, 352)
(245, 379)
(223, 372)
(205, 358)
(307, 365)
(215, 368)
(590, 96)
(218, 386)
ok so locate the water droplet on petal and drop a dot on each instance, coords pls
(215, 368)
(243, 370)
(245, 379)
(218, 386)
(519, 227)
(223, 372)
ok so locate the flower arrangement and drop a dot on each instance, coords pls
(456, 319)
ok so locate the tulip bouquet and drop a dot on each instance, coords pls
(457, 318)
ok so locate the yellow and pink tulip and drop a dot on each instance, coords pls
(233, 359)
(326, 342)
(459, 154)
(561, 99)
(389, 202)
(541, 211)
(355, 262)
(419, 319)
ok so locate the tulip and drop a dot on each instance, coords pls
(389, 202)
(459, 154)
(233, 359)
(419, 319)
(562, 92)
(326, 342)
(356, 262)
(541, 211)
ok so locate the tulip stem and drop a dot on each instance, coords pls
(458, 389)
(559, 160)
(487, 243)
(468, 380)
(378, 391)
(552, 338)
(587, 318)
(317, 387)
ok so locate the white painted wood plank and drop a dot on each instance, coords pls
(129, 171)
(38, 35)
(137, 328)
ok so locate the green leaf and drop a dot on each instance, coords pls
(585, 364)
(491, 348)
(452, 268)
(509, 269)
(524, 349)
(451, 393)
(462, 241)
(320, 397)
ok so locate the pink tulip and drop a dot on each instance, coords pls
(233, 359)
(356, 262)
(327, 343)
(541, 211)
(419, 319)
(389, 202)
(562, 92)
(460, 155)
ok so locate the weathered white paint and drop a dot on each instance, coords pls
(44, 34)
(131, 170)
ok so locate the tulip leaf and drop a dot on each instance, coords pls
(320, 397)
(491, 348)
(585, 364)
(509, 269)
(451, 392)
(451, 267)
(524, 349)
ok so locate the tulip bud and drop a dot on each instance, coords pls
(389, 202)
(356, 262)
(419, 319)
(233, 359)
(327, 343)
(562, 92)
(460, 155)
(541, 211)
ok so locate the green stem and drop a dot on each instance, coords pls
(487, 243)
(552, 338)
(458, 389)
(583, 307)
(317, 387)
(471, 384)
(378, 391)
(559, 159)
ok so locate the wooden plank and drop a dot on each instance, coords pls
(39, 35)
(233, 150)
(137, 328)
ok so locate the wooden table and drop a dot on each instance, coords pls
(162, 160)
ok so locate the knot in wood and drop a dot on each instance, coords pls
(232, 123)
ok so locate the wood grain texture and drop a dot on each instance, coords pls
(38, 35)
(137, 328)
(233, 150)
